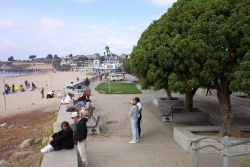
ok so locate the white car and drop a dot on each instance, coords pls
(116, 77)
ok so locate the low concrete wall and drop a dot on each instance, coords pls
(62, 158)
(184, 136)
(190, 117)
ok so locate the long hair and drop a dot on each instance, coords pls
(65, 124)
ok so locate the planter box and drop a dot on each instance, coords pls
(185, 135)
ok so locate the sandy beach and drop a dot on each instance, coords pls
(27, 101)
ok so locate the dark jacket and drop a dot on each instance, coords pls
(63, 139)
(81, 131)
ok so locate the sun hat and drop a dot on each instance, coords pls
(74, 114)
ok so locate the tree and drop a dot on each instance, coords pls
(56, 57)
(151, 60)
(32, 57)
(49, 56)
(11, 58)
(126, 65)
(223, 28)
(208, 42)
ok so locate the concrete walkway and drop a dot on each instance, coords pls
(111, 149)
(156, 148)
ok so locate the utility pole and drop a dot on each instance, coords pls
(108, 54)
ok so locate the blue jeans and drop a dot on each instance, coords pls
(134, 127)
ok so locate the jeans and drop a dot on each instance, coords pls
(134, 127)
(81, 151)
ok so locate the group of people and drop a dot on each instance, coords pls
(135, 118)
(66, 138)
(13, 89)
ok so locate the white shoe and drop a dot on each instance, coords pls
(132, 142)
(47, 149)
(137, 141)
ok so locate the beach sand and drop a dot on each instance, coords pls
(23, 102)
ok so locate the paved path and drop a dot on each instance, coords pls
(156, 148)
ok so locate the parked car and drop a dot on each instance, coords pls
(116, 77)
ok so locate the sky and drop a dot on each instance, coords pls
(78, 27)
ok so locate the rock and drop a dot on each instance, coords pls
(20, 155)
(45, 141)
(26, 143)
(11, 126)
(4, 163)
(3, 125)
(37, 141)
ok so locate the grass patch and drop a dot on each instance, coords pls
(118, 88)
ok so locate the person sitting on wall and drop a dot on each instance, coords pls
(60, 140)
(50, 94)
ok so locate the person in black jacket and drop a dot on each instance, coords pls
(80, 135)
(60, 140)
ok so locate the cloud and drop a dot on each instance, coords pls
(61, 37)
(6, 24)
(50, 26)
(167, 3)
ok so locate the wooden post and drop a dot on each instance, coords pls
(4, 96)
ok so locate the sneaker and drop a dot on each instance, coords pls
(47, 149)
(137, 141)
(132, 142)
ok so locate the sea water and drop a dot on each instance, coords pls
(12, 74)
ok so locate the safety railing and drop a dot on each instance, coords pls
(225, 144)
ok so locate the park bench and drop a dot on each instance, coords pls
(93, 123)
(169, 107)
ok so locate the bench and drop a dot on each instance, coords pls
(93, 123)
(169, 108)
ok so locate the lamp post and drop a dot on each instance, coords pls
(108, 54)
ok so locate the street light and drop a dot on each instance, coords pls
(108, 54)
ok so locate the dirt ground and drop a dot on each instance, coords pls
(33, 125)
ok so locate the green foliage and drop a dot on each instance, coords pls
(11, 58)
(151, 60)
(117, 88)
(241, 76)
(49, 56)
(32, 57)
(126, 65)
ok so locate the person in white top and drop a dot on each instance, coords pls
(138, 103)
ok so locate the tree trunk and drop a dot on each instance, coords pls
(169, 96)
(223, 94)
(188, 106)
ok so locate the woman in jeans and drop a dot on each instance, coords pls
(134, 122)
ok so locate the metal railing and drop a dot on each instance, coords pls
(225, 144)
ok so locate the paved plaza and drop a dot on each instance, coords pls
(157, 147)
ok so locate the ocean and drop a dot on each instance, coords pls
(12, 74)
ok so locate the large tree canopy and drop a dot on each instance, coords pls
(198, 43)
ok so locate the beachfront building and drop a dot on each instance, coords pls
(22, 67)
(66, 61)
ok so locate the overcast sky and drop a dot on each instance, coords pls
(62, 27)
